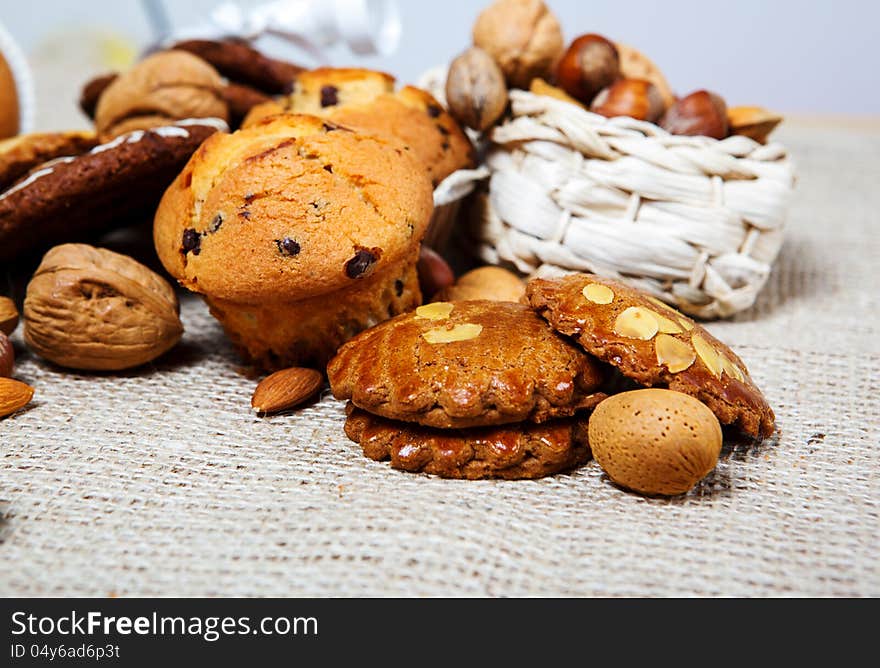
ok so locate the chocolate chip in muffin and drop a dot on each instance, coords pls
(434, 111)
(443, 131)
(288, 246)
(217, 222)
(192, 242)
(328, 168)
(398, 287)
(362, 262)
(329, 97)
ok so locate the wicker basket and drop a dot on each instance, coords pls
(695, 221)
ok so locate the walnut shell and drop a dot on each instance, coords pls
(162, 88)
(475, 90)
(93, 309)
(524, 38)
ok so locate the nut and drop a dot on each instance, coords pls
(753, 122)
(541, 87)
(8, 315)
(731, 369)
(435, 311)
(285, 389)
(636, 323)
(475, 90)
(523, 36)
(450, 335)
(14, 395)
(590, 64)
(675, 354)
(434, 272)
(636, 65)
(636, 98)
(707, 354)
(164, 87)
(598, 294)
(492, 283)
(655, 441)
(699, 114)
(7, 356)
(666, 325)
(90, 308)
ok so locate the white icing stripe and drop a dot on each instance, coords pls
(169, 131)
(29, 180)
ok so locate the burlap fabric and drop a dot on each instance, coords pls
(162, 482)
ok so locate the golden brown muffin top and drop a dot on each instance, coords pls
(289, 208)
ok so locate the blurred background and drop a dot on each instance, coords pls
(803, 58)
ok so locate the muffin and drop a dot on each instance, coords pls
(299, 233)
(366, 100)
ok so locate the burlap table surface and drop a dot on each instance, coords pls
(162, 482)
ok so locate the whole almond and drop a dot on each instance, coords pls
(14, 395)
(8, 315)
(7, 356)
(285, 389)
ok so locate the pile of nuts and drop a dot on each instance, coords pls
(519, 44)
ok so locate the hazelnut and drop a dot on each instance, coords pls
(637, 98)
(7, 356)
(8, 315)
(90, 308)
(699, 114)
(493, 283)
(523, 36)
(590, 64)
(475, 89)
(636, 65)
(434, 272)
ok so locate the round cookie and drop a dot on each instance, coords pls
(21, 154)
(240, 63)
(74, 196)
(510, 452)
(653, 344)
(365, 99)
(465, 364)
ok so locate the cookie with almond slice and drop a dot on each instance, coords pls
(653, 344)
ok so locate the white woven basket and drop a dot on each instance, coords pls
(695, 221)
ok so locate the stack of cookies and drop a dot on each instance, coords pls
(478, 389)
(472, 389)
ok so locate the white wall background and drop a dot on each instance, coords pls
(814, 56)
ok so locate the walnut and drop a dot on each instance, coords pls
(524, 38)
(90, 308)
(163, 88)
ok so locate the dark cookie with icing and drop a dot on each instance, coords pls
(21, 154)
(74, 196)
(511, 452)
(652, 344)
(453, 365)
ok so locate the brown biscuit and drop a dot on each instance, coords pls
(653, 344)
(21, 154)
(72, 197)
(92, 91)
(238, 62)
(512, 452)
(240, 99)
(465, 364)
